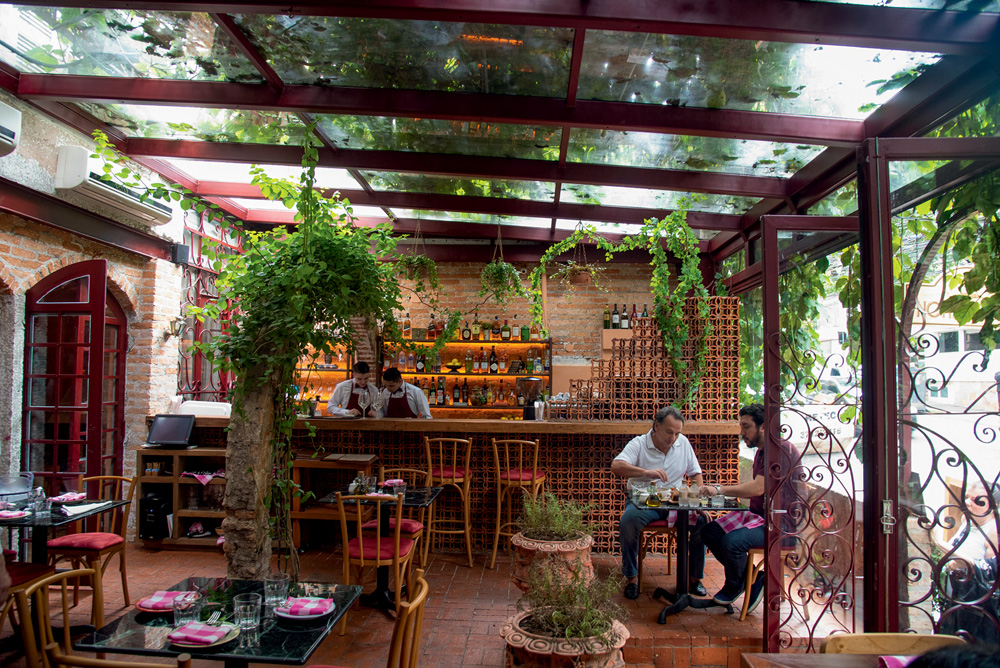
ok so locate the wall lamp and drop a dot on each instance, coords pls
(174, 327)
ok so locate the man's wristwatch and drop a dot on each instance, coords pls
(718, 489)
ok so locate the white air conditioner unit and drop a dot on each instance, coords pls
(10, 128)
(77, 171)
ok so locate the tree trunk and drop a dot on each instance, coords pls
(248, 483)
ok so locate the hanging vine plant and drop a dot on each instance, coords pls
(500, 280)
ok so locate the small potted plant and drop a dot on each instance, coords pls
(553, 529)
(560, 622)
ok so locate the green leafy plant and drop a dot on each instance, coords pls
(574, 608)
(569, 273)
(501, 282)
(547, 517)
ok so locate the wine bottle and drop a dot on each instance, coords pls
(440, 391)
(407, 331)
(423, 387)
(633, 317)
(624, 317)
(505, 331)
(431, 329)
(431, 392)
(520, 397)
(645, 313)
(616, 321)
(466, 332)
(477, 362)
(456, 393)
(465, 391)
(494, 363)
(607, 317)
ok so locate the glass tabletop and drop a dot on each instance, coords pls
(57, 517)
(277, 640)
(414, 497)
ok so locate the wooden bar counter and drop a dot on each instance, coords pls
(576, 457)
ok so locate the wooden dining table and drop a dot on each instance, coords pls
(813, 660)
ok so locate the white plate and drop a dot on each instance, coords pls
(303, 617)
(232, 633)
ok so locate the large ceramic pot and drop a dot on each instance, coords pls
(569, 556)
(529, 650)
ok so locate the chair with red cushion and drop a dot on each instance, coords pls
(22, 575)
(413, 527)
(448, 465)
(365, 549)
(516, 468)
(95, 548)
(404, 651)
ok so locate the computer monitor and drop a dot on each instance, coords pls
(170, 430)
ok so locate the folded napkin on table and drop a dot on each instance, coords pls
(394, 481)
(381, 496)
(164, 600)
(12, 514)
(305, 607)
(894, 661)
(85, 508)
(199, 633)
(69, 496)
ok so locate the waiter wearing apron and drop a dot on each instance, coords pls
(402, 400)
(344, 400)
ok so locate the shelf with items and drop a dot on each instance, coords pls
(319, 373)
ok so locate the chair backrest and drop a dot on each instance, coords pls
(16, 486)
(446, 454)
(110, 488)
(512, 455)
(886, 643)
(59, 659)
(40, 596)
(412, 477)
(353, 503)
(405, 648)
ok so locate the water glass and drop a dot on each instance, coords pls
(276, 588)
(246, 610)
(188, 609)
(399, 488)
(718, 501)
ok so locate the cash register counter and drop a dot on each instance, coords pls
(575, 455)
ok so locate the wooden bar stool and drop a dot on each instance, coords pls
(516, 470)
(448, 465)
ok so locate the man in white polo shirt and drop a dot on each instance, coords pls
(665, 454)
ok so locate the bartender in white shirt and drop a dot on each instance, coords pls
(402, 400)
(344, 400)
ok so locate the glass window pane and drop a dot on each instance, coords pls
(110, 363)
(41, 425)
(400, 182)
(41, 325)
(715, 73)
(73, 392)
(659, 199)
(197, 123)
(74, 329)
(111, 336)
(416, 55)
(73, 291)
(41, 457)
(108, 414)
(73, 361)
(42, 392)
(39, 360)
(108, 389)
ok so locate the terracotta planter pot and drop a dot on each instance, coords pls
(569, 555)
(529, 650)
(580, 278)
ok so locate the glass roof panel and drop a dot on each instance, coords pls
(806, 79)
(198, 123)
(573, 193)
(464, 217)
(120, 43)
(416, 55)
(953, 5)
(603, 228)
(267, 205)
(425, 135)
(841, 202)
(239, 172)
(420, 183)
(711, 154)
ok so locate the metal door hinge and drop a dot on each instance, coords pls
(888, 519)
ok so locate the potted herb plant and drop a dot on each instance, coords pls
(560, 622)
(552, 529)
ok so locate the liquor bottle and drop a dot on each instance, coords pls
(407, 332)
(645, 313)
(440, 391)
(495, 332)
(431, 392)
(422, 384)
(494, 363)
(538, 362)
(520, 397)
(616, 321)
(456, 393)
(502, 361)
(634, 316)
(525, 331)
(548, 360)
(431, 329)
(511, 397)
(624, 317)
(505, 331)
(421, 363)
(530, 364)
(477, 329)
(466, 332)
(401, 362)
(465, 391)
(490, 397)
(387, 358)
(607, 317)
(534, 332)
(477, 362)
(437, 362)
(440, 326)
(468, 361)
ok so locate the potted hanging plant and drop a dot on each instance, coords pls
(560, 622)
(500, 280)
(552, 529)
(576, 273)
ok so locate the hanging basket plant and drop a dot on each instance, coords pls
(500, 280)
(573, 273)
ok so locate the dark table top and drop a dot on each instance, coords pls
(278, 640)
(809, 661)
(414, 497)
(56, 518)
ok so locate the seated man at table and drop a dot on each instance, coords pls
(344, 400)
(730, 536)
(402, 400)
(665, 454)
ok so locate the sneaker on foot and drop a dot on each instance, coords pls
(632, 591)
(727, 595)
(756, 593)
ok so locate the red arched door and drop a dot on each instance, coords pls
(74, 376)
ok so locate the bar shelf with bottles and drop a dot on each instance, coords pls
(317, 377)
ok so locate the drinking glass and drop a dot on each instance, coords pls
(363, 401)
(246, 610)
(188, 609)
(276, 588)
(377, 401)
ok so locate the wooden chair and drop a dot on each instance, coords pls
(756, 564)
(38, 627)
(649, 534)
(22, 576)
(516, 469)
(413, 527)
(59, 659)
(404, 651)
(372, 550)
(886, 643)
(448, 465)
(91, 547)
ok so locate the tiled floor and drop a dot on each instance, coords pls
(464, 613)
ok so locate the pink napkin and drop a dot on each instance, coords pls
(69, 496)
(12, 514)
(394, 481)
(164, 600)
(894, 661)
(381, 496)
(199, 633)
(306, 607)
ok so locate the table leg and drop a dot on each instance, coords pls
(682, 597)
(383, 598)
(39, 545)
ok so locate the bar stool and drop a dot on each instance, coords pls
(513, 473)
(443, 455)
